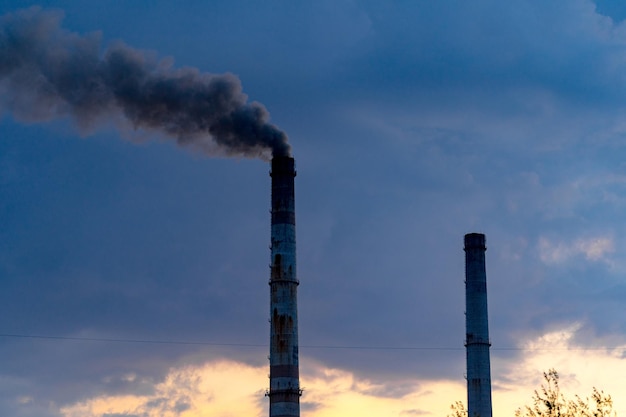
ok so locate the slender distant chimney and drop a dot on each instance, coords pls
(284, 391)
(477, 328)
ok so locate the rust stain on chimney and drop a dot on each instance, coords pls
(284, 391)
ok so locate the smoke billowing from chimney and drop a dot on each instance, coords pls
(47, 72)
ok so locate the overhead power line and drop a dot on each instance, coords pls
(119, 340)
(182, 342)
(336, 347)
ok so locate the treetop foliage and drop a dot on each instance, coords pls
(549, 401)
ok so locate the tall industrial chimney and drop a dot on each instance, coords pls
(284, 391)
(477, 328)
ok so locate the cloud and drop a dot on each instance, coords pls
(309, 406)
(594, 249)
(335, 394)
(414, 412)
(218, 388)
(575, 352)
(229, 388)
(611, 8)
(120, 415)
(487, 44)
(391, 389)
(415, 123)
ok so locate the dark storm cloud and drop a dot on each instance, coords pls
(612, 8)
(73, 263)
(447, 51)
(505, 90)
(100, 240)
(47, 72)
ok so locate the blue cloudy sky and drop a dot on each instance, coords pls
(411, 122)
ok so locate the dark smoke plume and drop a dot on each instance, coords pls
(48, 72)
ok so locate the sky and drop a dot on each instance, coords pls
(134, 251)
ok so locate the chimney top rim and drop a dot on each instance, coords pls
(475, 240)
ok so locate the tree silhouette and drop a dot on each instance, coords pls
(549, 401)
